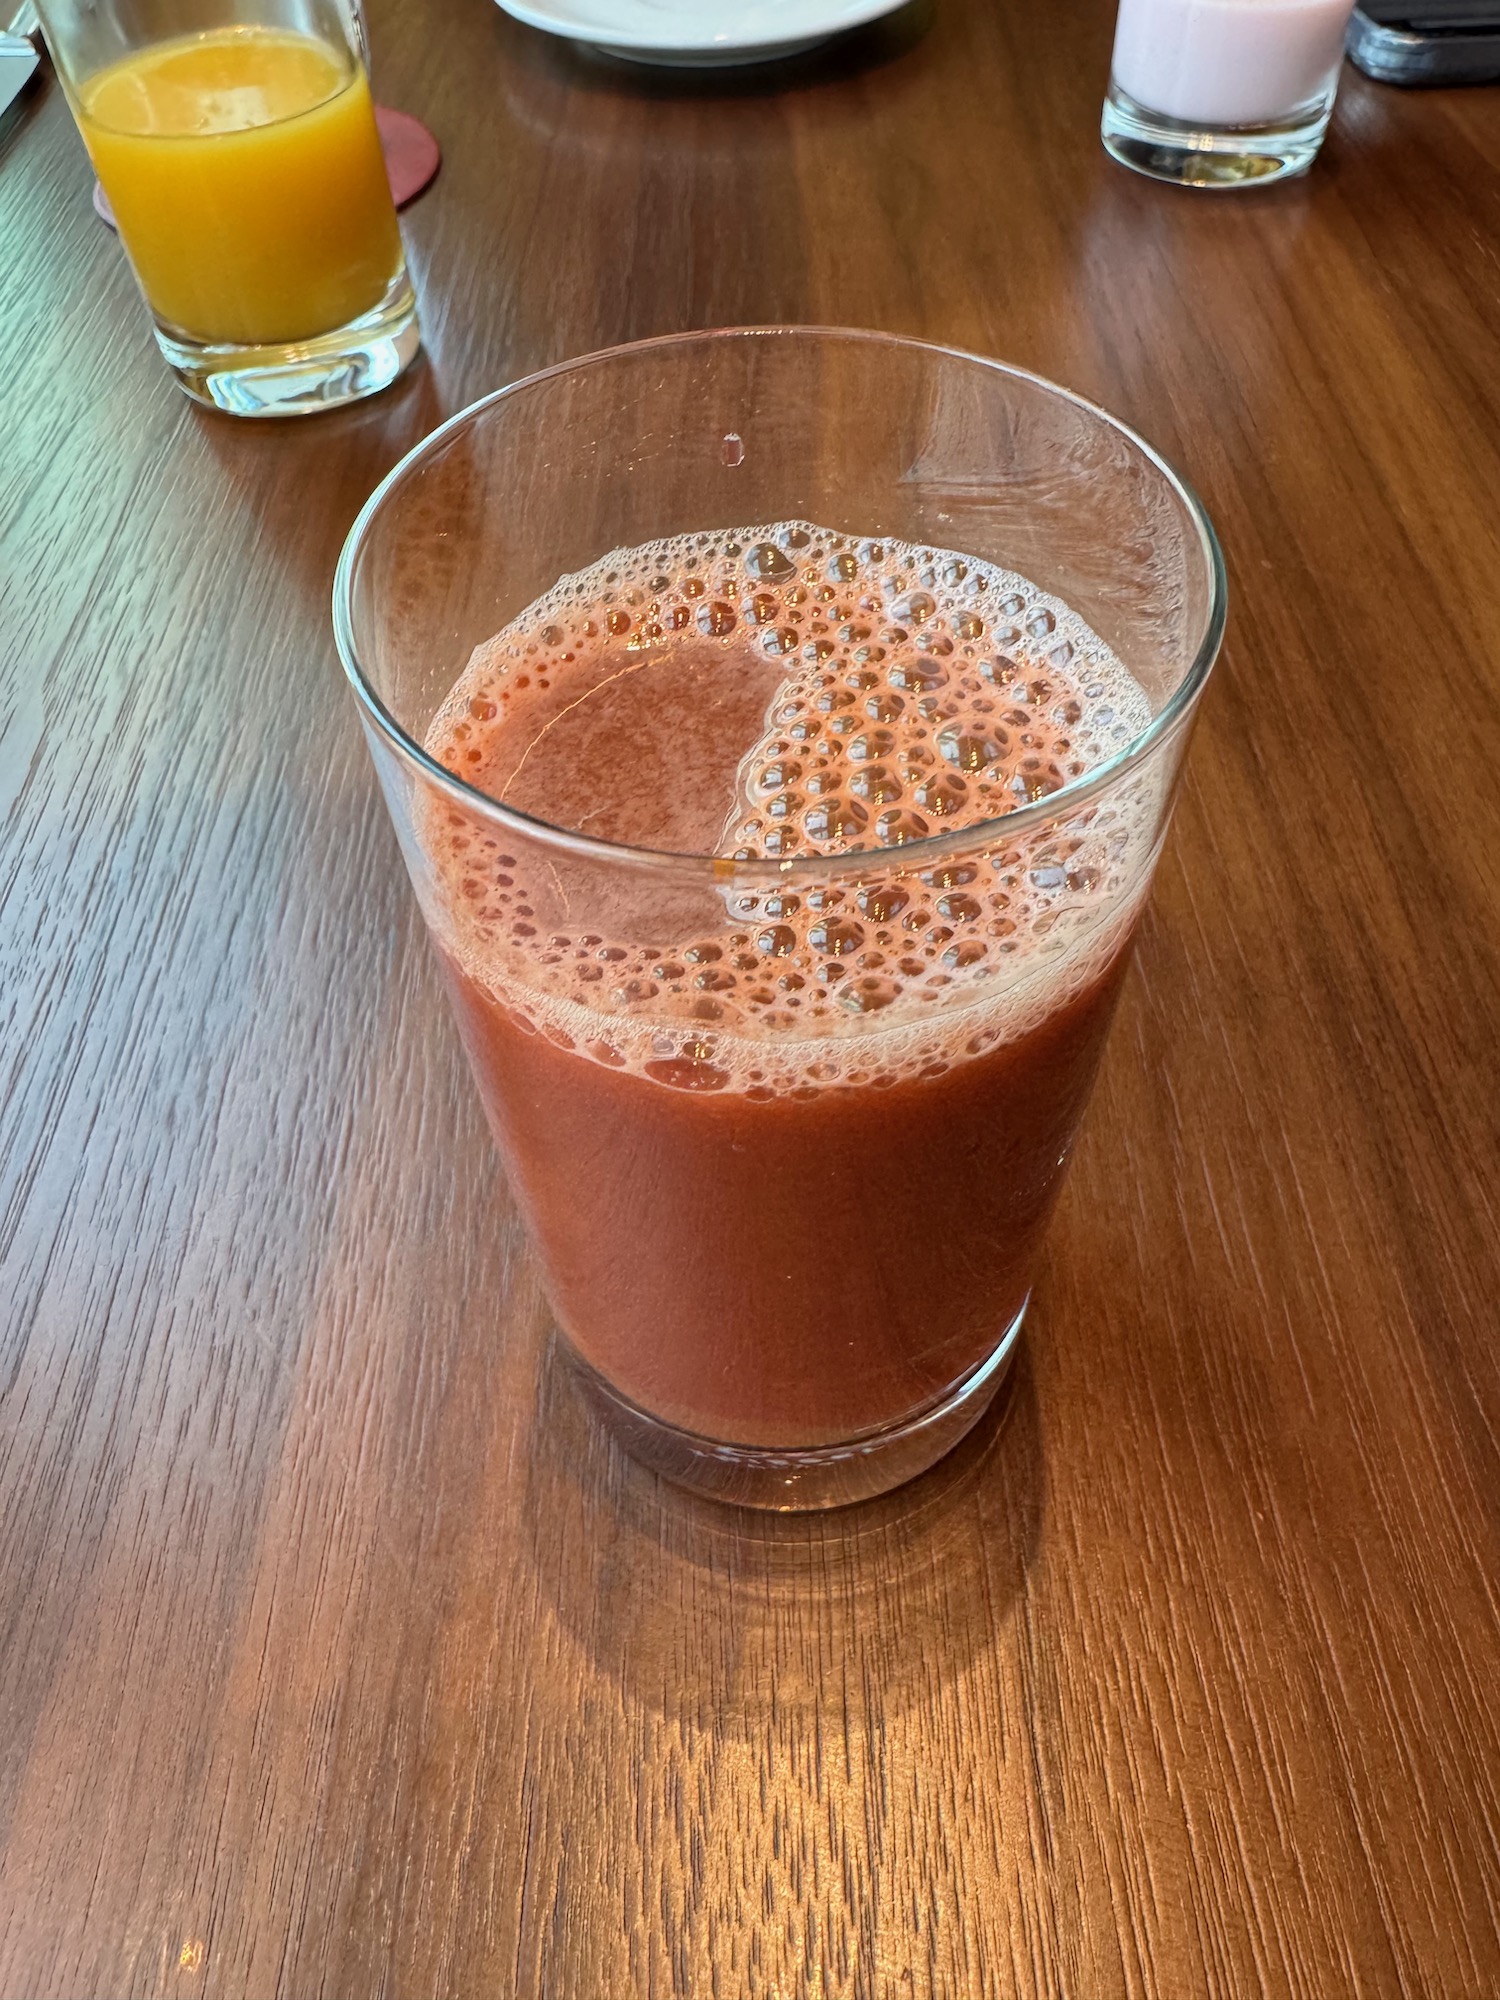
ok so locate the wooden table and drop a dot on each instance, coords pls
(339, 1654)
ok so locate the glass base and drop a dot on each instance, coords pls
(298, 378)
(803, 1479)
(1227, 156)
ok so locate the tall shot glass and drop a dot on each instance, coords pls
(790, 1251)
(236, 142)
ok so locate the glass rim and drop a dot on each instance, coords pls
(911, 854)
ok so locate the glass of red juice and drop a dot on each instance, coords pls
(781, 727)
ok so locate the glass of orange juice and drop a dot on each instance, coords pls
(237, 144)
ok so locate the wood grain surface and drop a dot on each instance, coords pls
(340, 1655)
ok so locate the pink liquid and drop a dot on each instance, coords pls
(1229, 62)
(788, 1156)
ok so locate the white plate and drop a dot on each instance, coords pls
(698, 34)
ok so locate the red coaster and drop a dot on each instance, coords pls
(411, 153)
(412, 157)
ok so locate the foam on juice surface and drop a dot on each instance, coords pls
(766, 694)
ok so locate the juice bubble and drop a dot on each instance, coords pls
(767, 694)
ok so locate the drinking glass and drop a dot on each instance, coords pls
(789, 1252)
(236, 142)
(1223, 93)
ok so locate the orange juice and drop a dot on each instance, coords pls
(245, 173)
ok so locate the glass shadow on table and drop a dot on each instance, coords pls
(680, 1600)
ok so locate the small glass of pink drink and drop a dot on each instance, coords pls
(1223, 93)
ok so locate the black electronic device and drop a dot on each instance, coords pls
(1427, 41)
